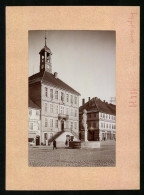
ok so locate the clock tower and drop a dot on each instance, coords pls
(45, 59)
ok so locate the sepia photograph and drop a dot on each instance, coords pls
(71, 98)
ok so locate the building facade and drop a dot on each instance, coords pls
(34, 123)
(59, 103)
(101, 120)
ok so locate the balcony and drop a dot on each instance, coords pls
(63, 116)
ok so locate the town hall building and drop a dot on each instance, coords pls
(57, 101)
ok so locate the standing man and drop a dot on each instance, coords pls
(54, 144)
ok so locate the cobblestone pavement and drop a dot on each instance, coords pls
(63, 157)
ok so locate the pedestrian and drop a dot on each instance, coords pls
(66, 143)
(54, 144)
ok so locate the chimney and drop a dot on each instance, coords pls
(83, 101)
(104, 101)
(89, 99)
(56, 75)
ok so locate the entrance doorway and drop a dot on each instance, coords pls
(37, 140)
(62, 125)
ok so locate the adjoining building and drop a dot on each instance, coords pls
(59, 103)
(101, 119)
(33, 123)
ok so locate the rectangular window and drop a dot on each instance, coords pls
(56, 123)
(62, 96)
(75, 113)
(61, 109)
(51, 108)
(56, 109)
(46, 92)
(97, 125)
(31, 126)
(45, 136)
(37, 112)
(89, 115)
(94, 114)
(75, 125)
(75, 100)
(71, 112)
(46, 122)
(94, 124)
(67, 97)
(71, 125)
(67, 124)
(56, 95)
(71, 99)
(102, 125)
(51, 93)
(51, 122)
(67, 111)
(45, 107)
(30, 112)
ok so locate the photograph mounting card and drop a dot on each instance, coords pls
(72, 85)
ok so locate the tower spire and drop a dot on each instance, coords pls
(45, 38)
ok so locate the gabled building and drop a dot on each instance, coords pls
(59, 103)
(101, 119)
(33, 123)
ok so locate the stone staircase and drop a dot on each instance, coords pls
(73, 132)
(54, 137)
(59, 133)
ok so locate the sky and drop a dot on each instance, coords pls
(85, 60)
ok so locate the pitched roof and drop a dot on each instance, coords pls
(95, 104)
(31, 104)
(49, 78)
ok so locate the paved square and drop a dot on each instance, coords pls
(63, 157)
